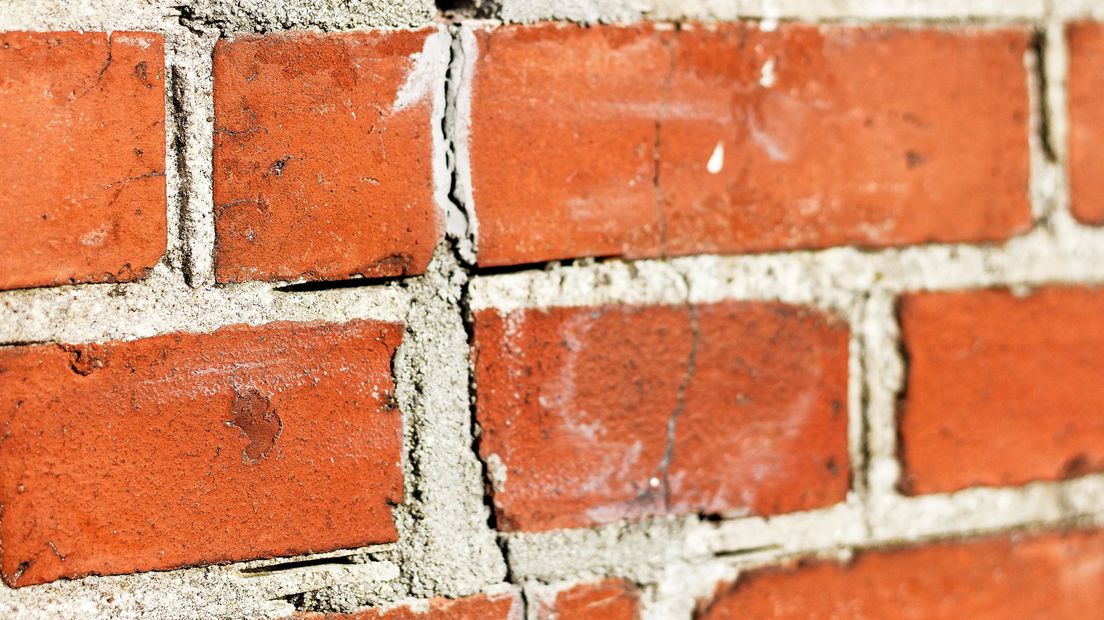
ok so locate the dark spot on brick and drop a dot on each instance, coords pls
(277, 167)
(390, 265)
(390, 403)
(140, 70)
(914, 159)
(1077, 466)
(86, 358)
(258, 421)
(22, 568)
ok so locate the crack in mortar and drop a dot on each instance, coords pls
(438, 325)
(182, 253)
(488, 484)
(1039, 45)
(463, 244)
(460, 218)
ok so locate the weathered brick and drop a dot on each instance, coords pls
(1002, 389)
(875, 137)
(1040, 576)
(642, 141)
(563, 153)
(576, 406)
(610, 599)
(479, 607)
(82, 141)
(323, 162)
(1086, 121)
(191, 449)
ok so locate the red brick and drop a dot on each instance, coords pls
(1002, 390)
(1086, 119)
(868, 136)
(875, 136)
(479, 607)
(1043, 576)
(82, 140)
(322, 171)
(611, 599)
(563, 153)
(575, 403)
(187, 449)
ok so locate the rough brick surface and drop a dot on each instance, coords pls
(576, 406)
(82, 146)
(479, 607)
(324, 155)
(563, 153)
(1002, 390)
(844, 136)
(642, 141)
(1045, 576)
(611, 599)
(197, 448)
(1086, 121)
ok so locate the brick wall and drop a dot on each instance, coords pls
(551, 310)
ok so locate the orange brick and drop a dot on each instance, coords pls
(323, 164)
(610, 599)
(1002, 390)
(640, 142)
(575, 406)
(1044, 576)
(1086, 119)
(187, 449)
(82, 141)
(873, 137)
(563, 153)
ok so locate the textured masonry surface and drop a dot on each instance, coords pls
(550, 310)
(84, 156)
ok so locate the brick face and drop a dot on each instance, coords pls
(610, 599)
(1002, 390)
(575, 406)
(643, 141)
(563, 153)
(323, 163)
(197, 448)
(872, 137)
(82, 141)
(1042, 576)
(1086, 121)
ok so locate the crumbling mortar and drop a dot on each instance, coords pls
(179, 254)
(461, 223)
(1039, 45)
